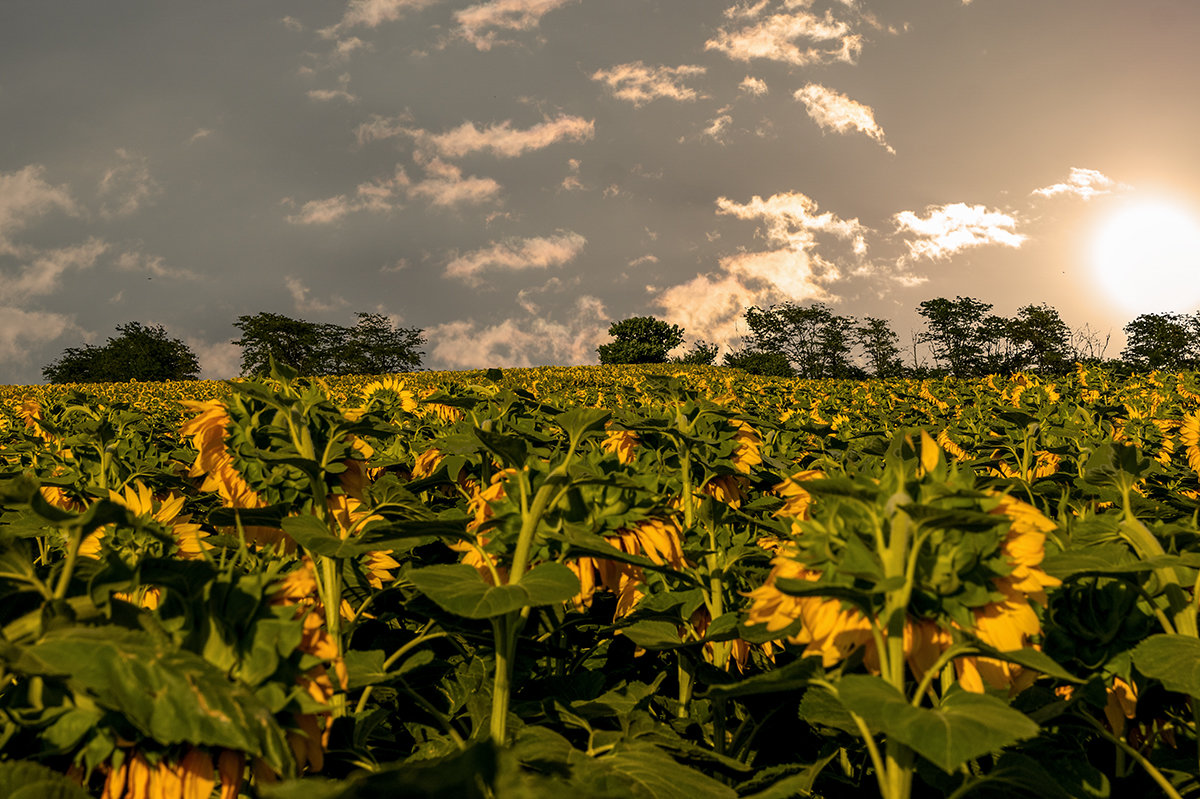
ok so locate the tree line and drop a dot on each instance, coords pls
(962, 338)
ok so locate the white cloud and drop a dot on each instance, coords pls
(372, 14)
(153, 265)
(125, 187)
(218, 361)
(306, 304)
(43, 274)
(201, 133)
(1084, 184)
(292, 24)
(340, 93)
(828, 39)
(746, 9)
(644, 259)
(477, 24)
(792, 219)
(505, 142)
(445, 186)
(24, 196)
(22, 329)
(753, 86)
(834, 111)
(710, 306)
(380, 127)
(717, 128)
(515, 254)
(533, 340)
(949, 229)
(640, 84)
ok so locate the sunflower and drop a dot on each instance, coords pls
(190, 777)
(141, 502)
(389, 392)
(213, 461)
(747, 452)
(622, 443)
(660, 540)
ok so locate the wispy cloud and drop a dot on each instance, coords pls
(127, 186)
(153, 265)
(504, 141)
(1084, 184)
(24, 196)
(837, 112)
(535, 339)
(517, 254)
(22, 329)
(756, 87)
(307, 304)
(340, 93)
(444, 185)
(801, 38)
(948, 229)
(43, 274)
(793, 218)
(718, 127)
(201, 133)
(640, 84)
(372, 14)
(479, 24)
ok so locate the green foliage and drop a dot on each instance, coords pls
(767, 364)
(1163, 341)
(878, 342)
(701, 354)
(142, 352)
(372, 346)
(816, 341)
(640, 339)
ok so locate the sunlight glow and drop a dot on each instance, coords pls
(1145, 256)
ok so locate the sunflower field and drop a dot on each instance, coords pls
(651, 582)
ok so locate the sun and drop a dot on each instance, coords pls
(1145, 256)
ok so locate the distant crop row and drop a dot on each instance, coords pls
(602, 581)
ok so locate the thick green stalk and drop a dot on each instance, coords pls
(898, 757)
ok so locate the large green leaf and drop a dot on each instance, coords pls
(459, 589)
(1174, 660)
(171, 695)
(963, 727)
(790, 677)
(648, 773)
(26, 780)
(579, 421)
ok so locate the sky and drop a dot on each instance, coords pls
(512, 176)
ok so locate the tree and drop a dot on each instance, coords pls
(141, 352)
(294, 342)
(1163, 341)
(701, 354)
(1043, 339)
(373, 346)
(640, 339)
(816, 341)
(769, 364)
(879, 343)
(955, 333)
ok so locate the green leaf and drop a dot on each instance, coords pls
(963, 727)
(366, 668)
(510, 450)
(312, 534)
(1173, 660)
(578, 422)
(652, 634)
(819, 706)
(790, 677)
(797, 784)
(650, 774)
(459, 589)
(171, 695)
(1031, 659)
(22, 779)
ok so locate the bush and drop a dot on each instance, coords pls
(767, 364)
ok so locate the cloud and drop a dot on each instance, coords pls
(304, 303)
(516, 254)
(380, 127)
(24, 196)
(341, 93)
(505, 142)
(796, 268)
(775, 38)
(372, 14)
(792, 219)
(1083, 183)
(43, 275)
(475, 23)
(640, 84)
(717, 128)
(153, 265)
(644, 259)
(949, 229)
(837, 112)
(445, 186)
(21, 330)
(753, 86)
(201, 133)
(218, 361)
(532, 340)
(125, 187)
(292, 24)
